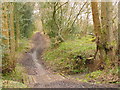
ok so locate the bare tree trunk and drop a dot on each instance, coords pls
(87, 19)
(0, 38)
(96, 19)
(111, 52)
(106, 19)
(118, 48)
(17, 28)
(5, 40)
(12, 36)
(5, 32)
(104, 30)
(97, 29)
(17, 33)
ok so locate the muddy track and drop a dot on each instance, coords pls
(43, 78)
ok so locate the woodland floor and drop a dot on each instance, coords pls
(43, 77)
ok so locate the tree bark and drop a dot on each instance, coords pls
(12, 35)
(97, 29)
(5, 40)
(106, 19)
(118, 47)
(104, 31)
(17, 34)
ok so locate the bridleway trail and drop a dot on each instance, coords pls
(41, 77)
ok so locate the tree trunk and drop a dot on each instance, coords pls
(17, 26)
(87, 20)
(111, 52)
(5, 40)
(5, 31)
(12, 35)
(118, 48)
(104, 30)
(106, 19)
(17, 33)
(96, 20)
(97, 29)
(0, 38)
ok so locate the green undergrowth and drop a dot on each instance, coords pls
(15, 75)
(71, 57)
(24, 45)
(105, 76)
(14, 79)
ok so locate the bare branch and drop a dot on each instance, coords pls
(78, 14)
(61, 5)
(70, 14)
(59, 28)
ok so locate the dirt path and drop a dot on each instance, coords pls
(43, 78)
